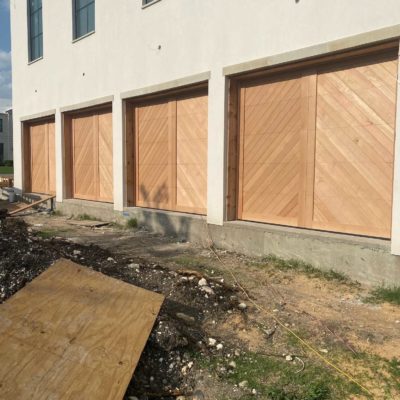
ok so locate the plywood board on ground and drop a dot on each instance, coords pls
(73, 333)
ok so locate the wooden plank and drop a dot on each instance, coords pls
(35, 203)
(73, 333)
(354, 147)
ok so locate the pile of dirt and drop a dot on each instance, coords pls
(168, 364)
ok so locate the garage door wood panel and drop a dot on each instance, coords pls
(84, 157)
(274, 121)
(40, 151)
(192, 127)
(171, 153)
(152, 155)
(354, 149)
(92, 156)
(316, 148)
(105, 157)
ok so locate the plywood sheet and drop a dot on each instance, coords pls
(354, 148)
(73, 333)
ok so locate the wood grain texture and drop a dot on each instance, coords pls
(170, 139)
(274, 118)
(354, 148)
(191, 154)
(73, 333)
(39, 150)
(316, 149)
(92, 156)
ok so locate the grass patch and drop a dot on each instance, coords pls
(277, 379)
(50, 233)
(189, 262)
(309, 270)
(132, 223)
(382, 294)
(6, 170)
(86, 217)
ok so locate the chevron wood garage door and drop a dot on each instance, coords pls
(40, 157)
(171, 153)
(91, 148)
(316, 148)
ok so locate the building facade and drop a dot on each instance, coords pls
(265, 126)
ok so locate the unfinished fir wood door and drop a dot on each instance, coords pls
(41, 154)
(354, 147)
(274, 124)
(171, 154)
(92, 177)
(316, 149)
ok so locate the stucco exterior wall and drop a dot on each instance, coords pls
(134, 48)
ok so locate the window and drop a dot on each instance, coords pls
(1, 125)
(83, 17)
(148, 2)
(35, 29)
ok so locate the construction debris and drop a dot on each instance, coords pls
(34, 204)
(168, 365)
(61, 330)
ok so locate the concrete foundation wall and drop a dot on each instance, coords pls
(363, 259)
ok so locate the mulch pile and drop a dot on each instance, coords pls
(168, 364)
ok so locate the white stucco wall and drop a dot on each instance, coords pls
(134, 48)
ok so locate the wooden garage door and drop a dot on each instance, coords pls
(316, 149)
(40, 153)
(171, 154)
(92, 177)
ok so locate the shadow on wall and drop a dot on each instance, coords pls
(172, 225)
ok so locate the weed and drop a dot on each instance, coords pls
(132, 223)
(189, 262)
(389, 294)
(49, 233)
(86, 217)
(308, 269)
(281, 380)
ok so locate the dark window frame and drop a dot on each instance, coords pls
(146, 3)
(75, 14)
(1, 125)
(32, 13)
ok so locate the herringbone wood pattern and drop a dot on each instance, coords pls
(274, 122)
(92, 156)
(192, 128)
(171, 154)
(354, 149)
(42, 157)
(316, 150)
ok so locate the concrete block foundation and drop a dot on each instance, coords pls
(366, 260)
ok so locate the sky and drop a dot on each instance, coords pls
(5, 56)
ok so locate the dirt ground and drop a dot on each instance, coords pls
(258, 356)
